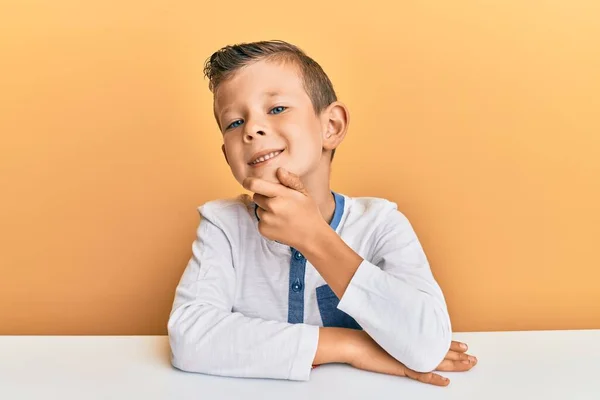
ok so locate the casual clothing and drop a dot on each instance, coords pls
(247, 306)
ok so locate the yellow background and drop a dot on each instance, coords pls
(479, 118)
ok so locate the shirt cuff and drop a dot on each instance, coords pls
(307, 349)
(354, 299)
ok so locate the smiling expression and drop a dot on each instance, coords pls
(268, 121)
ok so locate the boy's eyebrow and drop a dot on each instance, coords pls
(266, 94)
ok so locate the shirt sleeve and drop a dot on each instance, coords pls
(207, 337)
(397, 301)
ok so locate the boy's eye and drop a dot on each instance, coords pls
(235, 124)
(274, 110)
(277, 110)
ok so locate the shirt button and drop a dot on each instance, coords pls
(298, 256)
(297, 286)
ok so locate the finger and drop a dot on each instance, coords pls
(260, 212)
(261, 201)
(290, 180)
(429, 377)
(453, 355)
(263, 187)
(455, 366)
(458, 346)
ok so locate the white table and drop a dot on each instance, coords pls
(512, 365)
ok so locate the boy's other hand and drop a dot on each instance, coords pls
(287, 213)
(367, 355)
(457, 359)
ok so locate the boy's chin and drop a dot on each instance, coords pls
(267, 173)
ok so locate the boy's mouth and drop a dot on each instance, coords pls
(264, 156)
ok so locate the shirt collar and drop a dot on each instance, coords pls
(339, 210)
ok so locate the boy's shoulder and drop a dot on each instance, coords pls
(365, 206)
(371, 203)
(222, 211)
(374, 212)
(242, 200)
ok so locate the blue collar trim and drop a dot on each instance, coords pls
(339, 210)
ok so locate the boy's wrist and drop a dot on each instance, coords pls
(321, 238)
(336, 345)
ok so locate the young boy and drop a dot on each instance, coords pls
(299, 275)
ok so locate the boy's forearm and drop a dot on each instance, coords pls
(407, 315)
(335, 345)
(335, 261)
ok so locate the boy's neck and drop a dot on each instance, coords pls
(318, 187)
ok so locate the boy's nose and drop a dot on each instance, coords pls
(250, 134)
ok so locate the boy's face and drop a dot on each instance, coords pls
(268, 121)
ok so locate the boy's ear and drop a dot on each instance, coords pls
(335, 119)
(224, 153)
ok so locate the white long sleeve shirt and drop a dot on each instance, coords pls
(247, 306)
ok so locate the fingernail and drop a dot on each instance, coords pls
(463, 346)
(472, 359)
(466, 362)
